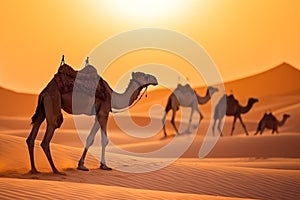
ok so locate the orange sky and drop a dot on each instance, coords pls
(242, 37)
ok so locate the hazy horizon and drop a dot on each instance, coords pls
(161, 87)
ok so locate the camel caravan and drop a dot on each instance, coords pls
(97, 98)
(185, 96)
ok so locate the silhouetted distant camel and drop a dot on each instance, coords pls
(54, 98)
(233, 108)
(185, 96)
(269, 121)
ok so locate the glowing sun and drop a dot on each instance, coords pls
(144, 9)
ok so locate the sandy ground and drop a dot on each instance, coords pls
(238, 167)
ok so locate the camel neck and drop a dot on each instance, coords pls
(245, 109)
(205, 99)
(281, 123)
(125, 99)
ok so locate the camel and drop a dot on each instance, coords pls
(269, 121)
(233, 108)
(187, 97)
(53, 98)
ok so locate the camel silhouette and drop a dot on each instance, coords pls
(185, 96)
(233, 108)
(269, 121)
(57, 95)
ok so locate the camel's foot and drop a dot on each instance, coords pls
(187, 131)
(82, 167)
(167, 136)
(105, 167)
(59, 173)
(177, 133)
(34, 171)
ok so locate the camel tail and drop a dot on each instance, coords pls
(39, 108)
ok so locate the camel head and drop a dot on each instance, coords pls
(143, 79)
(286, 116)
(252, 100)
(212, 90)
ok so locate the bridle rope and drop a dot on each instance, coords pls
(135, 102)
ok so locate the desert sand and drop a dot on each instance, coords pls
(239, 167)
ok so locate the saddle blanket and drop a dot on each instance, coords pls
(85, 81)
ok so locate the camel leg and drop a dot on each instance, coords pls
(52, 106)
(46, 145)
(259, 128)
(164, 123)
(219, 127)
(274, 130)
(104, 142)
(31, 138)
(190, 120)
(244, 126)
(262, 130)
(200, 118)
(233, 125)
(213, 128)
(256, 132)
(173, 120)
(89, 142)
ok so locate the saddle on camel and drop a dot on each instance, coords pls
(87, 80)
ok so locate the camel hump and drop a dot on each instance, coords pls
(89, 69)
(67, 70)
(87, 81)
(231, 99)
(184, 88)
(272, 117)
(89, 72)
(269, 117)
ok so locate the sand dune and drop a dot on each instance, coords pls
(11, 105)
(263, 178)
(23, 189)
(281, 79)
